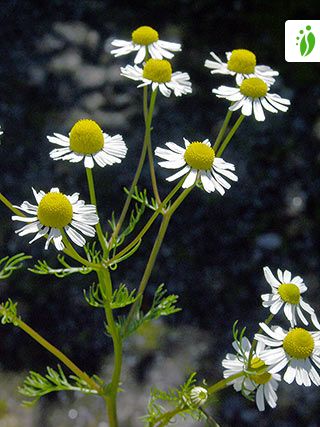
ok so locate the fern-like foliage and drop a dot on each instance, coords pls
(43, 268)
(93, 254)
(162, 305)
(164, 405)
(36, 385)
(142, 197)
(121, 297)
(8, 313)
(9, 264)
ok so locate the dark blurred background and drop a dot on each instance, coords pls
(55, 68)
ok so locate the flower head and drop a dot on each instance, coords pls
(296, 349)
(86, 141)
(198, 395)
(158, 73)
(256, 376)
(286, 292)
(199, 161)
(55, 212)
(252, 95)
(145, 40)
(241, 63)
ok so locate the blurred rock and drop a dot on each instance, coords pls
(77, 33)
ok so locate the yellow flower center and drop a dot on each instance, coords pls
(258, 365)
(145, 35)
(298, 343)
(254, 87)
(55, 210)
(86, 137)
(199, 156)
(289, 293)
(157, 70)
(242, 61)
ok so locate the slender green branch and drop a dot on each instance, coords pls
(136, 240)
(9, 205)
(111, 401)
(53, 350)
(222, 130)
(93, 199)
(154, 253)
(230, 135)
(144, 150)
(149, 144)
(254, 342)
(165, 418)
(71, 252)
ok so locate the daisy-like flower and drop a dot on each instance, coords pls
(286, 291)
(55, 212)
(87, 141)
(256, 377)
(295, 348)
(241, 63)
(199, 161)
(252, 95)
(1, 131)
(145, 40)
(158, 73)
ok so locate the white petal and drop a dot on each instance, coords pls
(191, 179)
(258, 110)
(88, 162)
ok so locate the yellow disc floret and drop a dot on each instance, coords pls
(298, 343)
(86, 137)
(199, 156)
(55, 210)
(242, 61)
(145, 35)
(259, 366)
(157, 70)
(254, 87)
(289, 292)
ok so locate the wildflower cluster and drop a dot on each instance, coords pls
(68, 222)
(255, 367)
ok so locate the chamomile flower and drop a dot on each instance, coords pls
(158, 73)
(241, 63)
(286, 291)
(197, 160)
(1, 131)
(198, 396)
(296, 349)
(145, 40)
(86, 141)
(55, 212)
(253, 95)
(256, 377)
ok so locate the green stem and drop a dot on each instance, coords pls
(57, 353)
(9, 205)
(154, 253)
(93, 199)
(70, 251)
(254, 342)
(230, 135)
(111, 401)
(166, 417)
(220, 385)
(222, 130)
(149, 144)
(145, 104)
(148, 120)
(146, 227)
